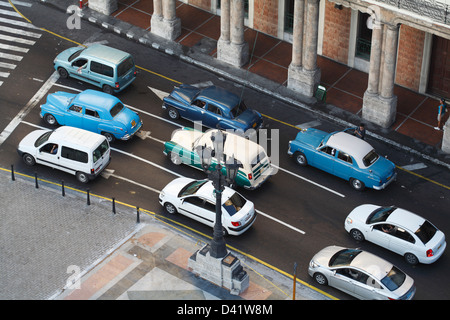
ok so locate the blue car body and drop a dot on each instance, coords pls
(215, 107)
(93, 111)
(343, 155)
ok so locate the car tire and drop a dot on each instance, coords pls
(224, 232)
(320, 279)
(357, 235)
(357, 184)
(173, 113)
(82, 177)
(175, 158)
(411, 258)
(109, 136)
(63, 73)
(170, 208)
(300, 158)
(28, 159)
(108, 89)
(50, 119)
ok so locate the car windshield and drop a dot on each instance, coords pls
(76, 54)
(191, 188)
(380, 214)
(234, 204)
(43, 138)
(394, 279)
(343, 257)
(116, 109)
(426, 232)
(370, 158)
(238, 109)
(100, 151)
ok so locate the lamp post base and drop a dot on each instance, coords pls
(226, 272)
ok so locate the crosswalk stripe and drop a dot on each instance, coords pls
(9, 13)
(18, 40)
(5, 65)
(20, 31)
(4, 74)
(10, 56)
(18, 23)
(13, 48)
(16, 3)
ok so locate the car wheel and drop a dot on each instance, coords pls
(300, 158)
(170, 208)
(175, 158)
(109, 136)
(357, 235)
(411, 258)
(82, 177)
(63, 73)
(320, 279)
(108, 89)
(50, 119)
(357, 184)
(224, 232)
(173, 113)
(28, 159)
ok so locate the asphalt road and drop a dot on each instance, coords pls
(307, 207)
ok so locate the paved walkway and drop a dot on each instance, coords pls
(60, 247)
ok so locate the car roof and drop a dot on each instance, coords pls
(207, 191)
(372, 264)
(220, 96)
(76, 137)
(347, 143)
(106, 53)
(96, 99)
(405, 219)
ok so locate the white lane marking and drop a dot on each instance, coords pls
(13, 48)
(279, 221)
(10, 56)
(18, 23)
(7, 65)
(18, 40)
(415, 166)
(20, 31)
(33, 101)
(309, 124)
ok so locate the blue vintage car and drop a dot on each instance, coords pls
(343, 155)
(93, 111)
(215, 107)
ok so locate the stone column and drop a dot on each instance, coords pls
(164, 22)
(103, 6)
(380, 103)
(446, 138)
(303, 73)
(231, 47)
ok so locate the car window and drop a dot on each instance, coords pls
(234, 204)
(79, 63)
(370, 158)
(191, 188)
(199, 103)
(43, 138)
(214, 109)
(92, 113)
(76, 54)
(76, 108)
(394, 279)
(238, 109)
(345, 157)
(343, 257)
(100, 151)
(380, 214)
(328, 150)
(116, 109)
(102, 69)
(373, 283)
(73, 154)
(426, 232)
(196, 201)
(124, 66)
(353, 274)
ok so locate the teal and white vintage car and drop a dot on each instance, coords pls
(256, 165)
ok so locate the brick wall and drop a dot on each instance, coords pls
(409, 58)
(336, 33)
(202, 4)
(265, 16)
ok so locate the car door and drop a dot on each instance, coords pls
(91, 120)
(342, 279)
(79, 69)
(343, 165)
(401, 241)
(48, 155)
(198, 209)
(212, 115)
(196, 110)
(379, 234)
(74, 117)
(324, 159)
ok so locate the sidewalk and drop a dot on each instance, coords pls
(48, 239)
(413, 130)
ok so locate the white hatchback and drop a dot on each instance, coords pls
(398, 230)
(196, 199)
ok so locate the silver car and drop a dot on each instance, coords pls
(360, 274)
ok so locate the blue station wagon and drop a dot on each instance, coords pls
(93, 111)
(215, 107)
(108, 68)
(343, 155)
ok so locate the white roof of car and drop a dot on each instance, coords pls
(351, 145)
(373, 264)
(76, 136)
(405, 219)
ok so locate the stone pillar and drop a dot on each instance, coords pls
(164, 22)
(380, 103)
(446, 137)
(303, 73)
(103, 6)
(231, 47)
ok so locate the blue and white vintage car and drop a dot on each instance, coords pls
(343, 155)
(215, 107)
(93, 111)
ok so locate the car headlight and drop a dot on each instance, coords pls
(161, 195)
(349, 220)
(313, 264)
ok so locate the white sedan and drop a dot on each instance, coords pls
(195, 199)
(360, 274)
(398, 230)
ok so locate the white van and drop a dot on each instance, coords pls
(76, 151)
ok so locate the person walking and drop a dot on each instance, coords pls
(442, 109)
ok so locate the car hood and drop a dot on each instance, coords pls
(186, 138)
(323, 256)
(312, 137)
(176, 185)
(59, 100)
(360, 213)
(126, 117)
(64, 56)
(30, 139)
(249, 117)
(184, 93)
